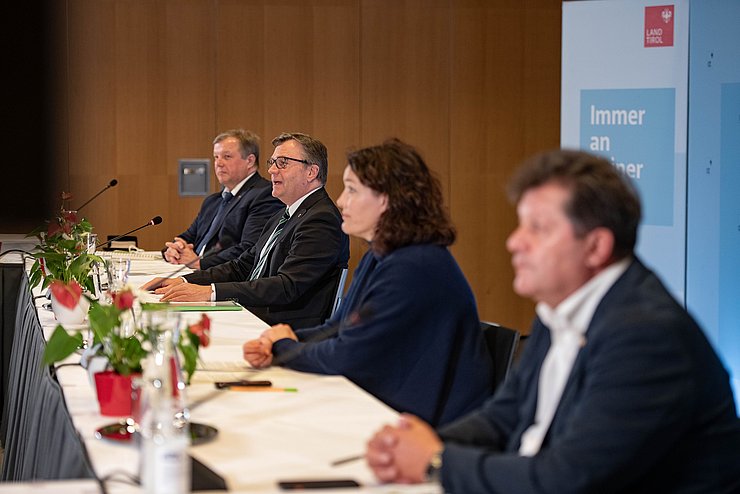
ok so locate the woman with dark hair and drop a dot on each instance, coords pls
(408, 329)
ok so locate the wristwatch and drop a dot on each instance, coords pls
(434, 468)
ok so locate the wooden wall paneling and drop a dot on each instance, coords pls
(405, 80)
(240, 79)
(190, 112)
(288, 67)
(337, 93)
(470, 200)
(141, 106)
(336, 75)
(542, 75)
(91, 77)
(515, 88)
(405, 77)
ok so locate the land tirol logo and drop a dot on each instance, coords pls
(659, 26)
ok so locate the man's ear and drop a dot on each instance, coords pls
(313, 171)
(600, 247)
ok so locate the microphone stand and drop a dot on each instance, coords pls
(112, 183)
(151, 222)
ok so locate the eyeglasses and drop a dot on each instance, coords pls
(282, 162)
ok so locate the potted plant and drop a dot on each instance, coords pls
(61, 258)
(124, 352)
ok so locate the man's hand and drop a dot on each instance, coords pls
(158, 284)
(258, 352)
(174, 250)
(189, 257)
(185, 292)
(401, 454)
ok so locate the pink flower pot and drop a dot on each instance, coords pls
(114, 393)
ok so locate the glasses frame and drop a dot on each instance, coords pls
(284, 165)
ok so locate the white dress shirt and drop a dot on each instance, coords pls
(567, 323)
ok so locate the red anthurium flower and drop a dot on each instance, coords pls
(206, 322)
(66, 294)
(123, 300)
(54, 227)
(70, 216)
(202, 329)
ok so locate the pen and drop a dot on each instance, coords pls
(263, 388)
(256, 384)
(348, 459)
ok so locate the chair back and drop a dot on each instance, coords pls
(340, 291)
(502, 344)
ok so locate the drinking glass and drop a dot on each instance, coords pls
(118, 273)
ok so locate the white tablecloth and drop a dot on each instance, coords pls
(263, 436)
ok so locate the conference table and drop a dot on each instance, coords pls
(294, 431)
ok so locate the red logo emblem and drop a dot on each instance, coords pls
(659, 26)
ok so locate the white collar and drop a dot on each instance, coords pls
(238, 186)
(294, 207)
(575, 312)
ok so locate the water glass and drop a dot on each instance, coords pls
(118, 273)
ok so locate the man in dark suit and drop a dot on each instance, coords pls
(618, 389)
(230, 221)
(291, 274)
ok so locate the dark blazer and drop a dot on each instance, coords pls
(245, 217)
(407, 332)
(300, 278)
(647, 408)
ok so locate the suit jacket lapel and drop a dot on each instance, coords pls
(242, 192)
(288, 227)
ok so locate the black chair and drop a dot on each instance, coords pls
(502, 344)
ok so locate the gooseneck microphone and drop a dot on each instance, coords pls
(112, 183)
(154, 221)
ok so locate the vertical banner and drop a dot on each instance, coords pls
(624, 96)
(713, 236)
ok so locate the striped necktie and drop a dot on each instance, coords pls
(268, 246)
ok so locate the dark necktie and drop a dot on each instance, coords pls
(216, 223)
(268, 246)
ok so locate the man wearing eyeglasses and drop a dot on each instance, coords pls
(291, 273)
(230, 221)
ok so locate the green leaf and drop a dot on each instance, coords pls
(61, 345)
(189, 360)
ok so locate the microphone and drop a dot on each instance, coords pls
(112, 183)
(154, 221)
